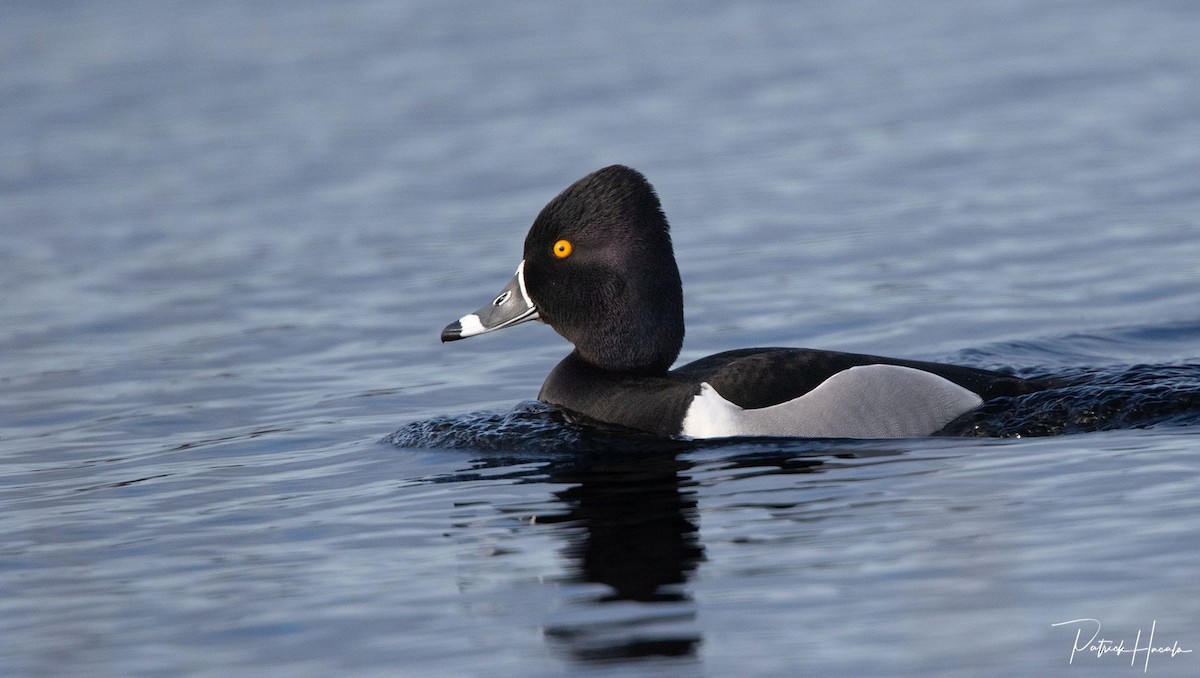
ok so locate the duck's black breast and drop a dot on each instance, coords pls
(655, 403)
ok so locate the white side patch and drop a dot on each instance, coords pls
(868, 401)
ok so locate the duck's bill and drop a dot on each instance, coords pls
(511, 307)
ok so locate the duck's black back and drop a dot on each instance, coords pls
(761, 377)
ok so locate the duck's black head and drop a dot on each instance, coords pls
(600, 270)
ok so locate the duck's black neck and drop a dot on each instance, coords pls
(641, 333)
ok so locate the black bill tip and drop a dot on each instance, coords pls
(453, 332)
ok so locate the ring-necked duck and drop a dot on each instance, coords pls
(599, 269)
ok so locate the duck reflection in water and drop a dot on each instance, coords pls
(631, 523)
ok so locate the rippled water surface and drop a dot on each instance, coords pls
(230, 442)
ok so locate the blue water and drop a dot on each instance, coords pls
(231, 443)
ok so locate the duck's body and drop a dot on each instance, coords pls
(599, 268)
(779, 392)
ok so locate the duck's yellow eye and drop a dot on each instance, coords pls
(562, 249)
